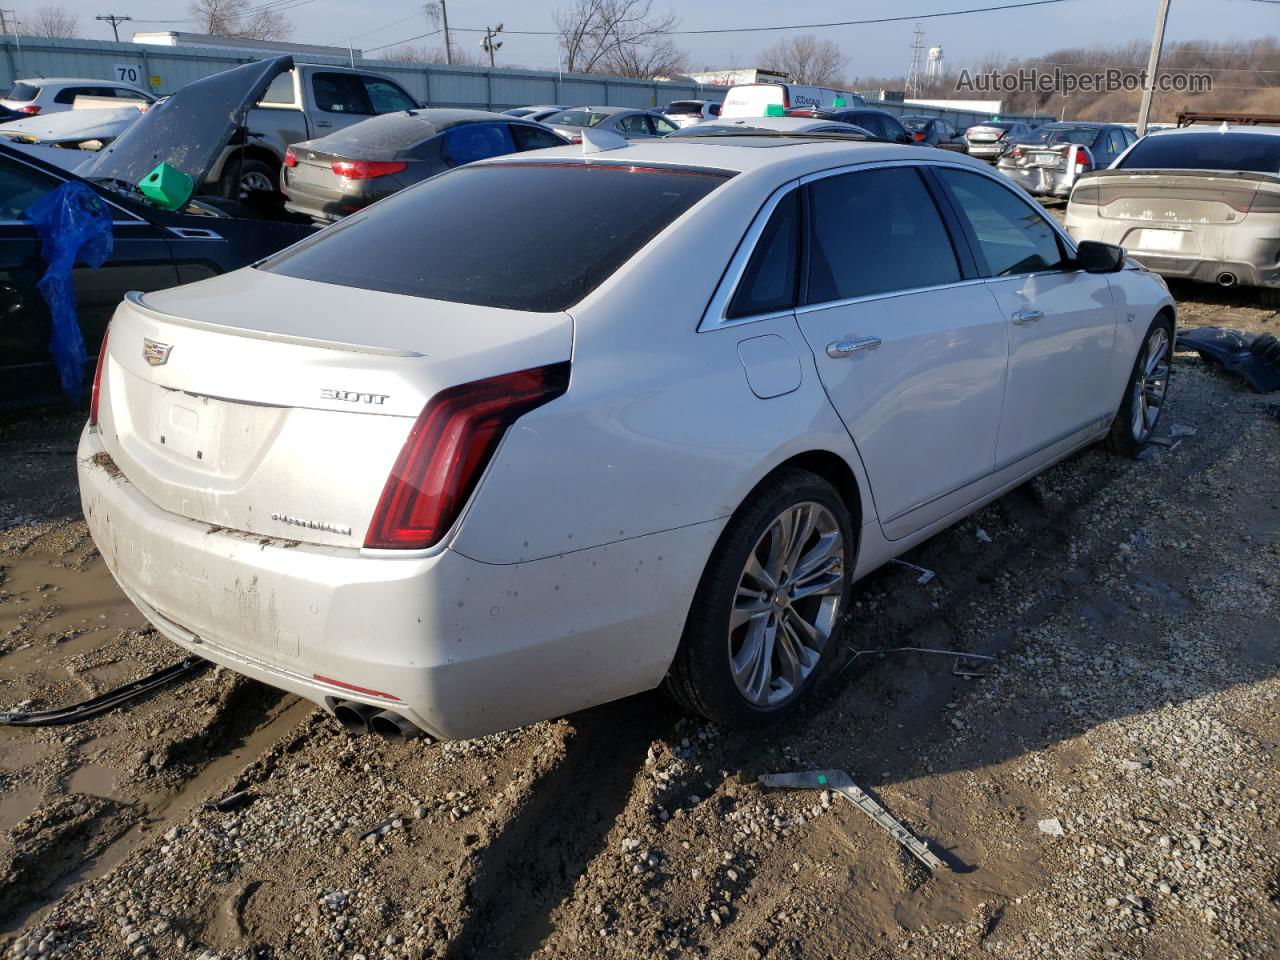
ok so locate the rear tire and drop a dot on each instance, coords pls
(763, 627)
(1146, 392)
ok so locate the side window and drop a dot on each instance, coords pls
(1117, 145)
(875, 232)
(529, 137)
(715, 109)
(281, 90)
(386, 97)
(1013, 237)
(340, 93)
(634, 126)
(476, 141)
(1130, 137)
(872, 124)
(69, 94)
(662, 126)
(769, 282)
(20, 187)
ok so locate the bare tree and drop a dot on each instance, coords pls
(617, 36)
(55, 22)
(805, 59)
(239, 18)
(409, 54)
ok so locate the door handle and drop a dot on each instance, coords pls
(843, 348)
(1026, 315)
(323, 123)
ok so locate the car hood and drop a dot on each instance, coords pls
(190, 129)
(71, 125)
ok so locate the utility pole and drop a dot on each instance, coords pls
(448, 48)
(488, 44)
(115, 22)
(913, 75)
(1153, 66)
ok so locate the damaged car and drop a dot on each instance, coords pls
(451, 465)
(1196, 203)
(152, 247)
(1047, 163)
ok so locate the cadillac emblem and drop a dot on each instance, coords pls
(155, 352)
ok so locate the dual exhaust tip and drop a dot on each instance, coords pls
(360, 718)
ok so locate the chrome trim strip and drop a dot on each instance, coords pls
(891, 294)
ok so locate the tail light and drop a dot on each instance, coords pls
(290, 158)
(30, 109)
(575, 138)
(919, 137)
(1082, 160)
(96, 391)
(1087, 193)
(1015, 153)
(366, 169)
(447, 450)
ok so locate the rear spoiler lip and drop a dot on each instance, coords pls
(135, 300)
(1164, 172)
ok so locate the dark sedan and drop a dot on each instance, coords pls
(328, 178)
(881, 124)
(935, 132)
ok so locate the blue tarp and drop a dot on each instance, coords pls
(74, 226)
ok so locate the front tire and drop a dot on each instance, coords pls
(762, 629)
(1148, 388)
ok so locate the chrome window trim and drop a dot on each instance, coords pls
(713, 318)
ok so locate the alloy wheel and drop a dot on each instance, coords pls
(255, 182)
(1151, 384)
(786, 604)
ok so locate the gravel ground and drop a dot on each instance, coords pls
(1108, 789)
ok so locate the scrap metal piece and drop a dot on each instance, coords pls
(925, 574)
(840, 782)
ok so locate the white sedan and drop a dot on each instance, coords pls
(463, 462)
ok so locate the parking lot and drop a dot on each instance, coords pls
(1133, 702)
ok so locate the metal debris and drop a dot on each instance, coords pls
(1182, 430)
(841, 783)
(925, 574)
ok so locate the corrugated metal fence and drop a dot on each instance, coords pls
(165, 69)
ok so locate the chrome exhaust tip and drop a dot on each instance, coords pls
(1226, 279)
(394, 728)
(355, 717)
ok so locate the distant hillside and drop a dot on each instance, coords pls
(1246, 79)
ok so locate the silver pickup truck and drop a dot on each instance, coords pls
(309, 101)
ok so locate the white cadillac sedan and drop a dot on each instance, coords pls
(553, 429)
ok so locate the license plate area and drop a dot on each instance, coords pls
(185, 426)
(1045, 159)
(1164, 241)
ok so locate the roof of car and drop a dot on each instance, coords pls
(1096, 124)
(611, 110)
(49, 81)
(791, 156)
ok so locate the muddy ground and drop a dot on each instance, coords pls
(1133, 706)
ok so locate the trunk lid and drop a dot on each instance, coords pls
(1178, 199)
(277, 406)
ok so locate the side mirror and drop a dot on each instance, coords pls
(1095, 257)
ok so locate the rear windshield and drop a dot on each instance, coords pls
(1255, 152)
(23, 92)
(915, 123)
(578, 118)
(522, 236)
(1081, 135)
(680, 108)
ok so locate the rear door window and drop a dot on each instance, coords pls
(69, 94)
(874, 232)
(662, 126)
(1012, 237)
(498, 235)
(22, 93)
(476, 141)
(635, 125)
(386, 97)
(341, 93)
(529, 137)
(769, 282)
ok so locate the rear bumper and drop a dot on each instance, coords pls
(1040, 181)
(986, 151)
(460, 648)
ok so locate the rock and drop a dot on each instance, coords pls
(1052, 826)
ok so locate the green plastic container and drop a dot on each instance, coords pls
(168, 186)
(774, 110)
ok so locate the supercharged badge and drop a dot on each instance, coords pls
(324, 525)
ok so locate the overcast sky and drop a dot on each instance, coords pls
(881, 49)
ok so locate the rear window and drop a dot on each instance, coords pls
(23, 92)
(578, 118)
(1081, 135)
(684, 108)
(521, 236)
(1255, 152)
(915, 123)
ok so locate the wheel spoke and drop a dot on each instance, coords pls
(1157, 355)
(819, 558)
(758, 574)
(779, 543)
(791, 659)
(809, 634)
(801, 530)
(746, 663)
(747, 607)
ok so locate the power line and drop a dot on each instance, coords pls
(421, 36)
(115, 22)
(393, 23)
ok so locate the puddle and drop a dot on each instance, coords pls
(16, 804)
(94, 779)
(19, 750)
(64, 598)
